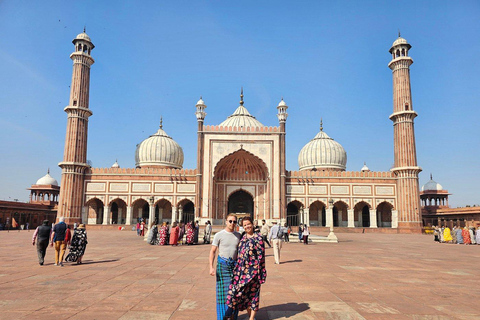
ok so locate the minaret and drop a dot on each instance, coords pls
(74, 161)
(282, 116)
(405, 168)
(200, 114)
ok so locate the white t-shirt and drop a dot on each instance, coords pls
(227, 243)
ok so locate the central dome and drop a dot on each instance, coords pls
(241, 118)
(322, 152)
(159, 150)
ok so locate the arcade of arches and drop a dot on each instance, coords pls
(118, 212)
(360, 216)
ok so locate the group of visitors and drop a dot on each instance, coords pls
(456, 235)
(60, 237)
(178, 233)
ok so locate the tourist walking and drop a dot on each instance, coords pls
(306, 233)
(42, 235)
(138, 228)
(300, 233)
(58, 238)
(225, 243)
(207, 232)
(78, 245)
(275, 236)
(142, 228)
(163, 234)
(286, 232)
(249, 273)
(174, 234)
(264, 231)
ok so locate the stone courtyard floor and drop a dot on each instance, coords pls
(364, 276)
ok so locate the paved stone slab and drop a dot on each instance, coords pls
(364, 276)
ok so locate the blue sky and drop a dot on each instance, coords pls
(328, 59)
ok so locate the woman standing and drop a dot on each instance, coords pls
(300, 233)
(190, 232)
(174, 234)
(447, 235)
(466, 236)
(78, 245)
(248, 275)
(162, 234)
(306, 233)
(181, 231)
(208, 232)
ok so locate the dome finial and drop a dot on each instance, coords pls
(321, 124)
(399, 33)
(241, 97)
(84, 28)
(431, 178)
(161, 122)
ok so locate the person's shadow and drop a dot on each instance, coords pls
(291, 261)
(278, 311)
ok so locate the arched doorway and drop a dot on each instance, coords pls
(365, 217)
(362, 214)
(293, 213)
(384, 215)
(243, 171)
(163, 211)
(317, 214)
(186, 211)
(241, 202)
(95, 211)
(141, 210)
(118, 209)
(340, 214)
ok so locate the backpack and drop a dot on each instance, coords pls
(280, 233)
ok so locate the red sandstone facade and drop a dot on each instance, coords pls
(241, 169)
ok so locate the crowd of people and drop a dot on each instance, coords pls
(456, 235)
(60, 237)
(179, 233)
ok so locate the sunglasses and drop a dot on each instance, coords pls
(232, 221)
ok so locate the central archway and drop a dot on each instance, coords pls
(241, 202)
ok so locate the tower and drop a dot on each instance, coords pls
(74, 161)
(200, 114)
(405, 167)
(282, 116)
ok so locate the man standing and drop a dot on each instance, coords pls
(276, 236)
(226, 243)
(58, 237)
(264, 231)
(42, 235)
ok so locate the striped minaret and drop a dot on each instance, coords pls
(405, 168)
(74, 161)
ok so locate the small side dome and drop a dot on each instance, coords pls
(47, 180)
(432, 185)
(83, 36)
(399, 40)
(241, 117)
(365, 168)
(322, 152)
(200, 102)
(116, 165)
(159, 150)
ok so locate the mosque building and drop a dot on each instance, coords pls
(241, 169)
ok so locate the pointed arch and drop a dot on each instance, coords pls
(317, 213)
(362, 214)
(241, 165)
(384, 214)
(95, 208)
(294, 213)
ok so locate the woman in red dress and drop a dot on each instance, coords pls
(190, 231)
(174, 234)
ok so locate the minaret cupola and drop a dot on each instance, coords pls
(282, 114)
(83, 43)
(200, 113)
